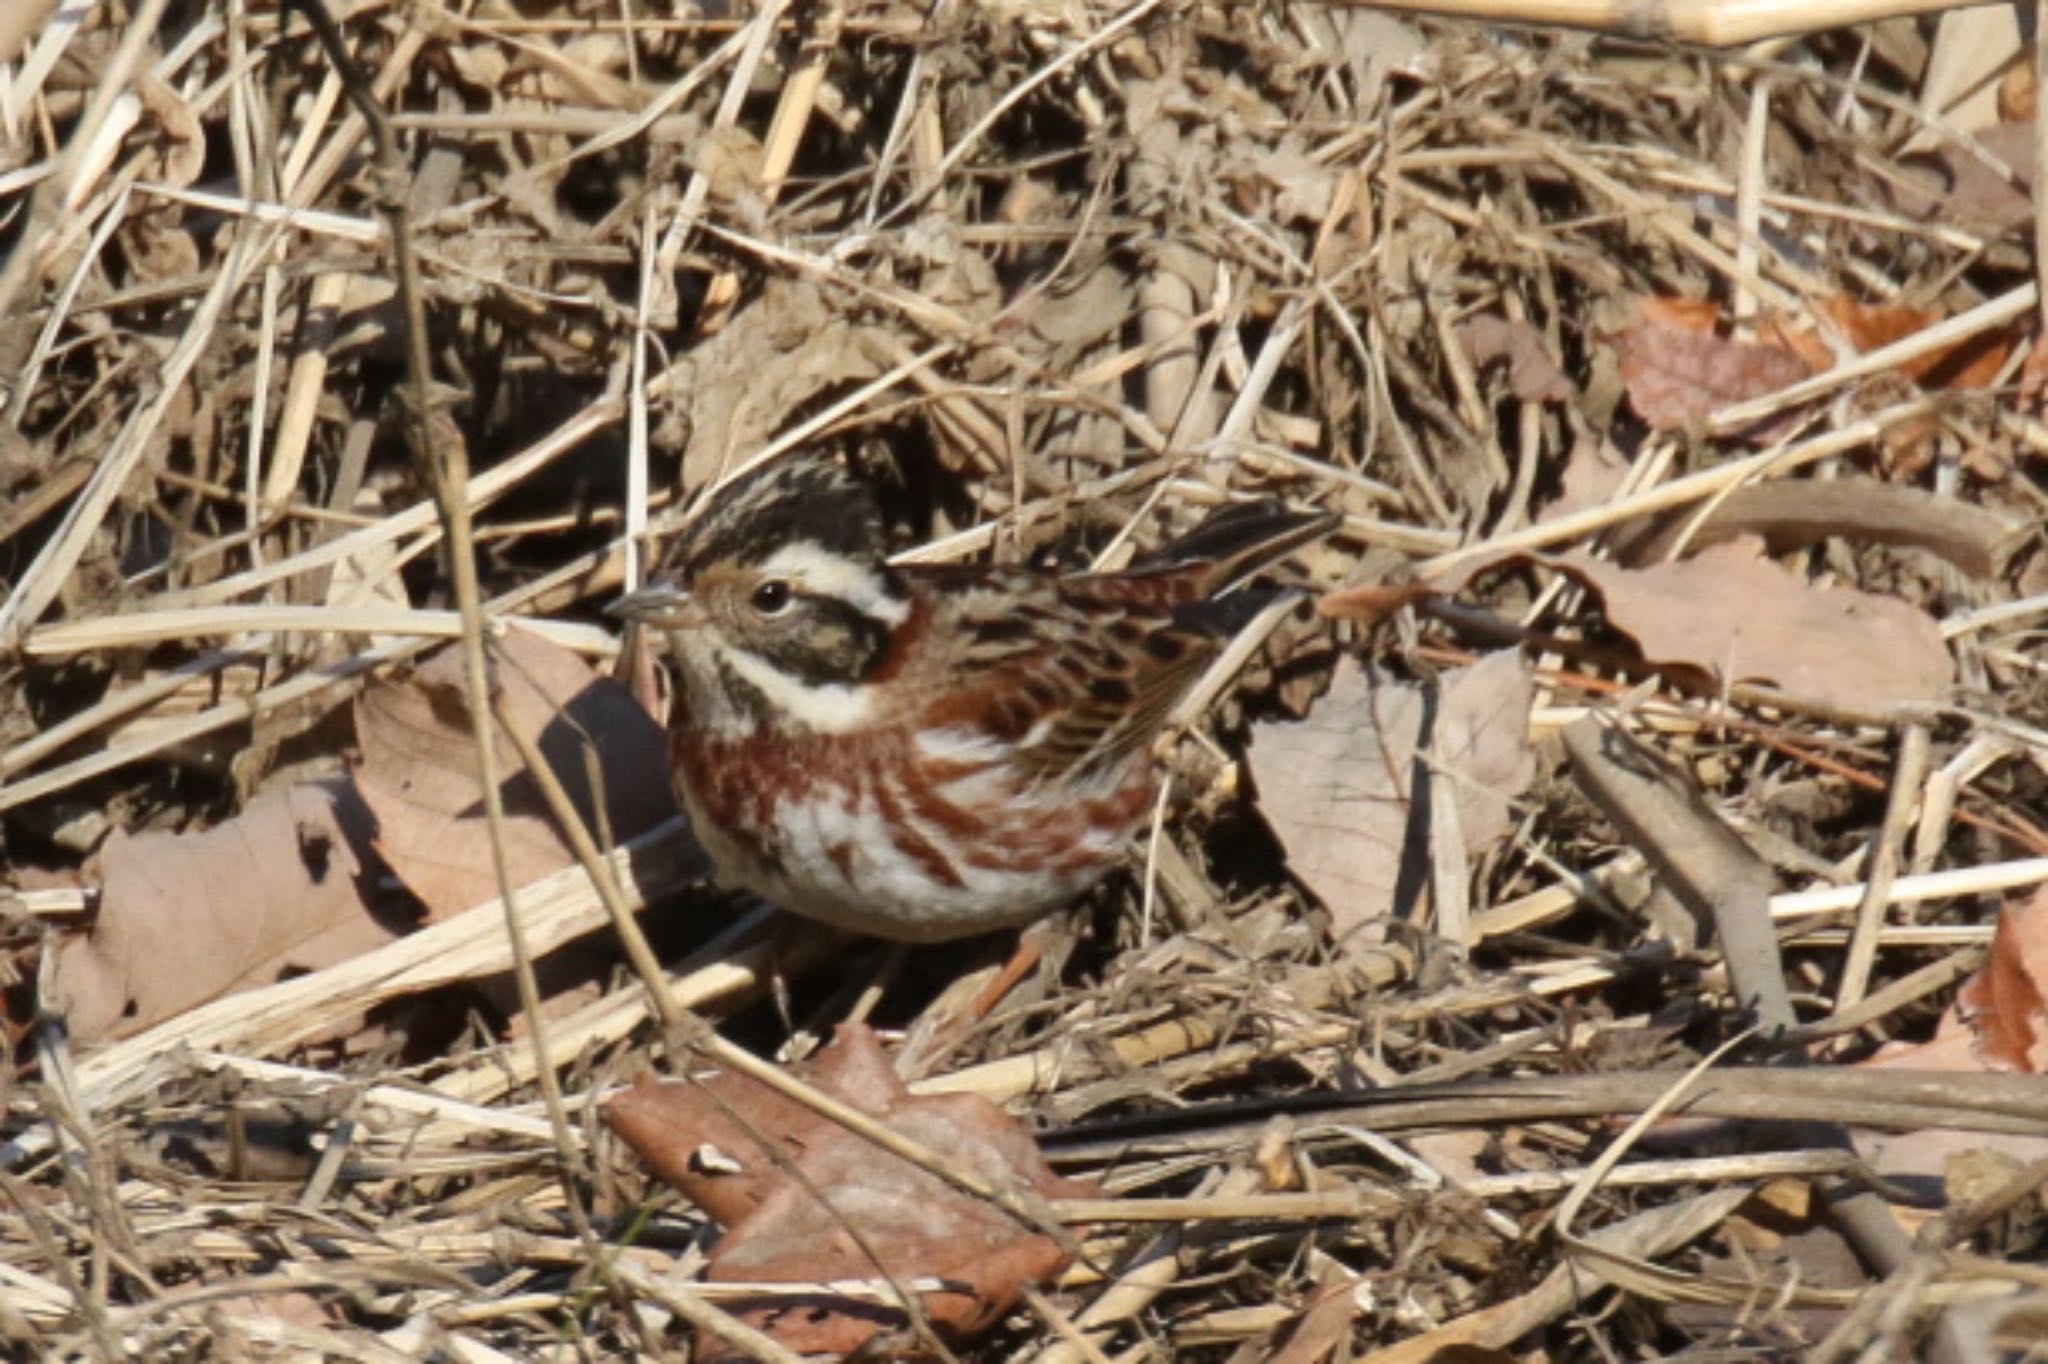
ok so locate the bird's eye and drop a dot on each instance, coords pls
(772, 598)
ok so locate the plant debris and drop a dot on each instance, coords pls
(1680, 414)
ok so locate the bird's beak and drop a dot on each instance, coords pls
(664, 606)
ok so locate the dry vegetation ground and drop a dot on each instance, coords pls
(1673, 692)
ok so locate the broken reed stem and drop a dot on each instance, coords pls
(1909, 775)
(595, 866)
(448, 468)
(676, 1023)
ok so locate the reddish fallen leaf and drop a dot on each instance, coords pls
(1337, 788)
(1974, 362)
(705, 1138)
(2033, 377)
(1700, 316)
(280, 889)
(1800, 337)
(1534, 375)
(418, 769)
(1998, 1022)
(1734, 615)
(1370, 603)
(1677, 378)
(1871, 326)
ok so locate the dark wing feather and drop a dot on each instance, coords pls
(1161, 646)
(1082, 671)
(1236, 541)
(1118, 696)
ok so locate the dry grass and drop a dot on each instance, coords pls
(1065, 276)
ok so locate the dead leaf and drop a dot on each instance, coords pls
(2016, 91)
(770, 360)
(1735, 615)
(1818, 1256)
(1677, 378)
(1984, 189)
(1533, 374)
(705, 1138)
(1593, 475)
(1370, 603)
(1800, 337)
(1075, 313)
(1699, 316)
(1283, 183)
(1337, 787)
(184, 156)
(418, 769)
(1999, 1020)
(283, 887)
(1974, 362)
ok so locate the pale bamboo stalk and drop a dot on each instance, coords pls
(153, 627)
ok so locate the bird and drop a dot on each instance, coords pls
(921, 752)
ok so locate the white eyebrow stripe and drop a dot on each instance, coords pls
(818, 570)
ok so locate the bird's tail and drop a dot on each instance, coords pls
(1238, 541)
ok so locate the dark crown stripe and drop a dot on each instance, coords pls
(804, 497)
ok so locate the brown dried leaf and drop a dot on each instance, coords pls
(185, 918)
(185, 155)
(1370, 603)
(772, 359)
(1677, 378)
(1337, 787)
(1699, 316)
(1969, 188)
(1740, 616)
(1533, 374)
(705, 1138)
(418, 769)
(1737, 616)
(1323, 1327)
(1283, 183)
(1999, 1020)
(1974, 362)
(1593, 475)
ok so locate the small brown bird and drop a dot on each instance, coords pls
(918, 751)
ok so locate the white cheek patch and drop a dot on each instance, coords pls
(819, 571)
(829, 709)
